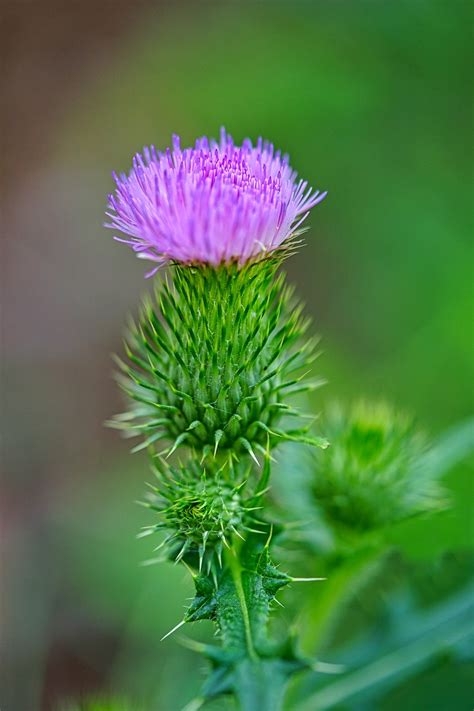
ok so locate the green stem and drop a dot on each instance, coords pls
(236, 572)
(252, 667)
(260, 685)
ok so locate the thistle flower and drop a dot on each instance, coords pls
(214, 203)
(375, 473)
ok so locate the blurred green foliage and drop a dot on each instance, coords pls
(394, 627)
(100, 705)
(371, 101)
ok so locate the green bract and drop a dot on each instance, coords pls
(375, 473)
(213, 358)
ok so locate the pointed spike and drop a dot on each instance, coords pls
(150, 561)
(193, 425)
(327, 668)
(179, 440)
(225, 542)
(154, 489)
(183, 550)
(233, 528)
(147, 442)
(248, 447)
(218, 434)
(267, 543)
(164, 542)
(265, 476)
(176, 627)
(264, 451)
(267, 429)
(143, 534)
(192, 644)
(189, 569)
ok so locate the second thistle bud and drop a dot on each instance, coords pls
(200, 511)
(375, 473)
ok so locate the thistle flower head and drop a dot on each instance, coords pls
(213, 203)
(374, 472)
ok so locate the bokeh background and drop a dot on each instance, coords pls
(372, 101)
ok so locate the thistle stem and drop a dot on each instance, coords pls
(260, 685)
(236, 572)
(249, 665)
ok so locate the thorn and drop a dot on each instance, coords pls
(241, 486)
(306, 580)
(176, 444)
(237, 532)
(181, 553)
(254, 530)
(205, 451)
(193, 425)
(326, 668)
(152, 487)
(218, 434)
(192, 644)
(150, 561)
(202, 549)
(252, 454)
(224, 541)
(143, 534)
(189, 569)
(195, 704)
(267, 544)
(176, 627)
(248, 447)
(163, 543)
(260, 493)
(146, 504)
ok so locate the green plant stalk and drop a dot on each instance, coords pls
(259, 683)
(249, 664)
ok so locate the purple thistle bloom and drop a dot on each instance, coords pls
(213, 203)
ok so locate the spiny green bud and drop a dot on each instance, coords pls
(201, 510)
(213, 359)
(374, 473)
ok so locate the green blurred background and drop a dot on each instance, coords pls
(372, 101)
